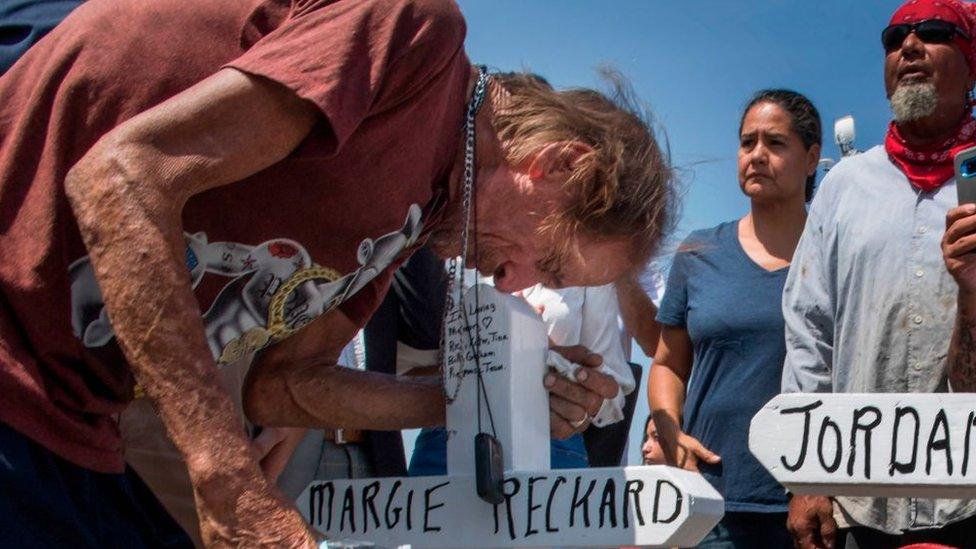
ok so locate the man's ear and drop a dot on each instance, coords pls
(556, 159)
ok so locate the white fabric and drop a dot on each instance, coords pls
(353, 355)
(408, 358)
(588, 317)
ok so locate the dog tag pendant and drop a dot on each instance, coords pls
(489, 468)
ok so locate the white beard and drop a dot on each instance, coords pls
(913, 101)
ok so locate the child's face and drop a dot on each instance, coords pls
(653, 455)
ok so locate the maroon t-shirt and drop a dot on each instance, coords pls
(356, 197)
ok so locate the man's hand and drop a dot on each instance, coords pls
(256, 517)
(811, 522)
(958, 243)
(572, 402)
(274, 447)
(261, 517)
(684, 451)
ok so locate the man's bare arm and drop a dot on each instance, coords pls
(958, 245)
(127, 194)
(962, 349)
(296, 383)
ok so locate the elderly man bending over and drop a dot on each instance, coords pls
(269, 165)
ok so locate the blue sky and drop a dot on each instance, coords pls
(696, 63)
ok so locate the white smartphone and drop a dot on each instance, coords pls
(965, 162)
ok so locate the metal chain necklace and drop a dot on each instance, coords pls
(455, 272)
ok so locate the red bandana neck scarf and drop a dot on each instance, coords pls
(928, 168)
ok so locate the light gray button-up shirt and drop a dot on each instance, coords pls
(870, 307)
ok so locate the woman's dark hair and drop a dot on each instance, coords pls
(647, 422)
(804, 117)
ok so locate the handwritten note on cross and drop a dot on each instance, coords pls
(645, 506)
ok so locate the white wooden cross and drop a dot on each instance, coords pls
(645, 506)
(877, 444)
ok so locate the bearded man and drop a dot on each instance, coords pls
(869, 304)
(269, 163)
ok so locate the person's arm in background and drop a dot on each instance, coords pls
(958, 245)
(600, 334)
(808, 310)
(127, 194)
(666, 388)
(666, 382)
(638, 312)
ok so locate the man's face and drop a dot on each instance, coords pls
(941, 65)
(518, 263)
(518, 255)
(507, 241)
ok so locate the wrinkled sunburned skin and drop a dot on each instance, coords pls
(374, 257)
(126, 197)
(150, 313)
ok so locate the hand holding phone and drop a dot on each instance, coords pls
(965, 162)
(958, 245)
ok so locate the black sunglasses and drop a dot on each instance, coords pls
(930, 31)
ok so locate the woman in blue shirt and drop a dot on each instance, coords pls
(720, 357)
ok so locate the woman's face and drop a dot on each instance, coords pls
(773, 163)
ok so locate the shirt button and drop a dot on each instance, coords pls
(922, 230)
(917, 366)
(919, 273)
(918, 319)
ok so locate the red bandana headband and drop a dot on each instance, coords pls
(929, 167)
(962, 15)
